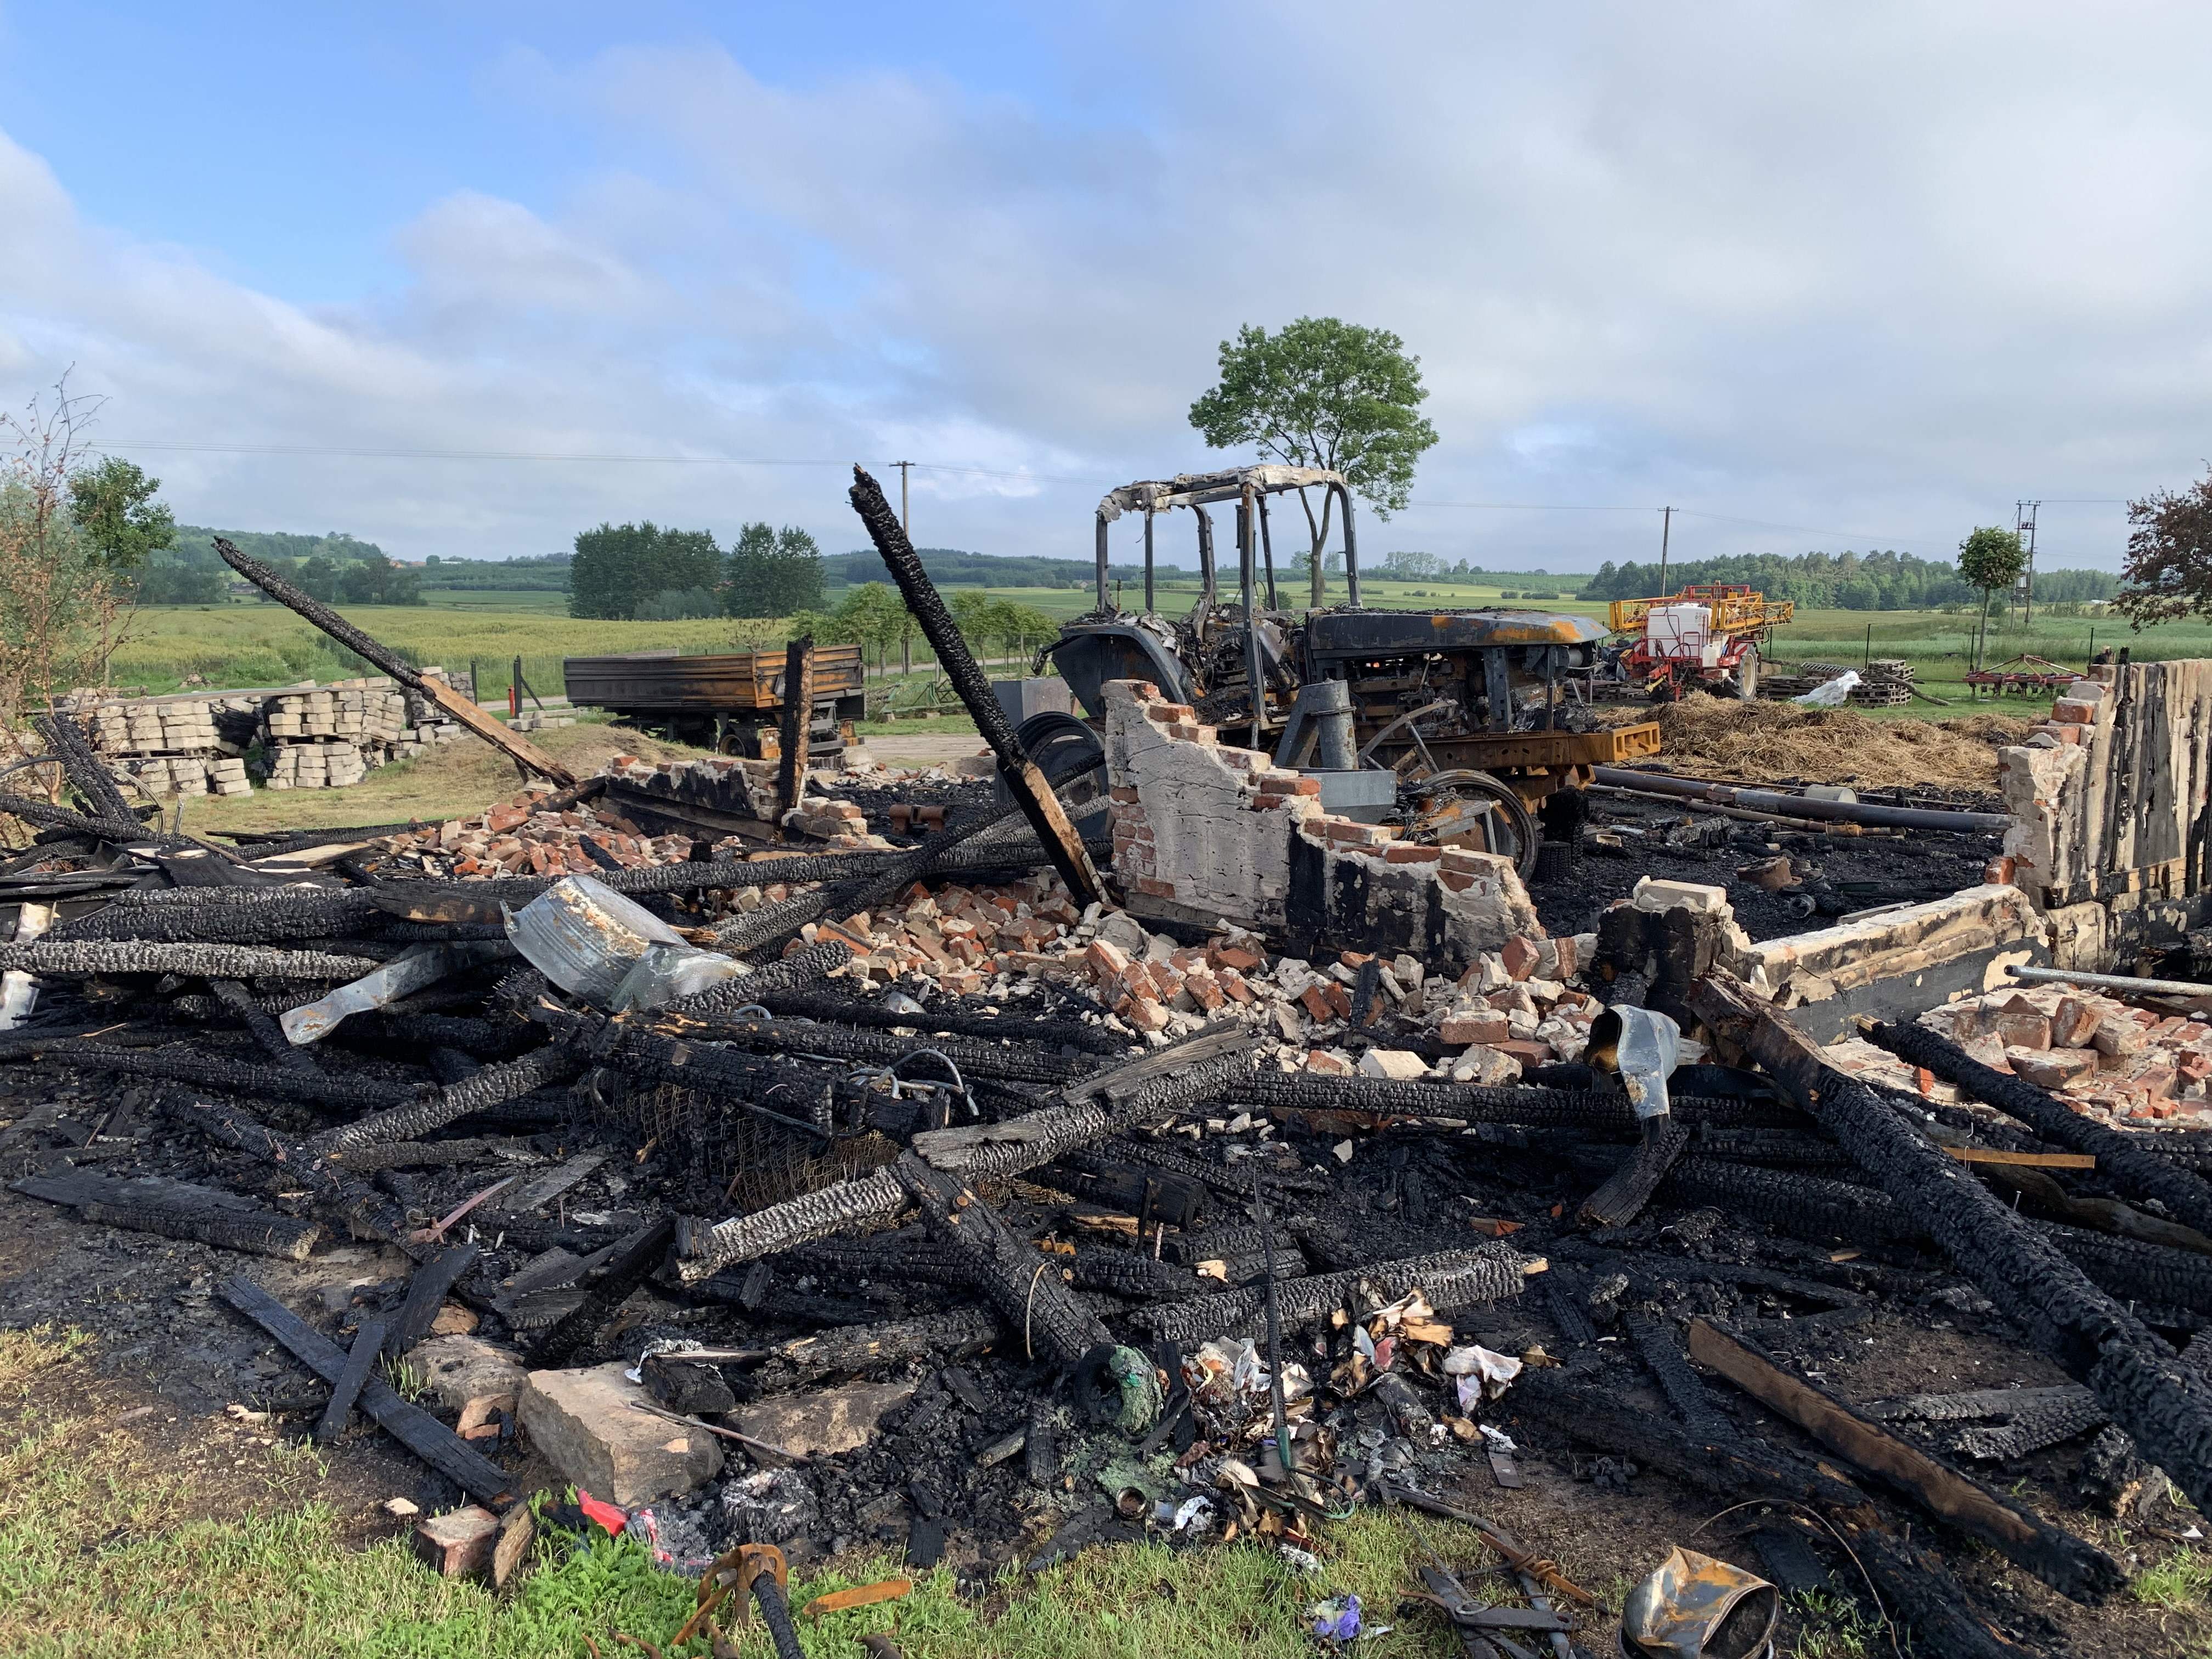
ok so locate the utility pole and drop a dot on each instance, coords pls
(904, 526)
(1666, 532)
(2024, 527)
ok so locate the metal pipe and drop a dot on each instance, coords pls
(2148, 988)
(1776, 800)
(1814, 825)
(1208, 593)
(1351, 546)
(1268, 552)
(1148, 561)
(1255, 689)
(1099, 557)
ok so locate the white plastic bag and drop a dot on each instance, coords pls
(1833, 694)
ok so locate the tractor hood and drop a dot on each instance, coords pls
(1347, 632)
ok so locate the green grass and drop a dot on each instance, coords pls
(105, 1549)
(2178, 1583)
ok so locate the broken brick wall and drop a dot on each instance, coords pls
(1207, 832)
(736, 789)
(2112, 807)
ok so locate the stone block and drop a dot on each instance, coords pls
(1399, 1065)
(1652, 894)
(827, 1421)
(465, 1371)
(459, 1545)
(1488, 1064)
(583, 1421)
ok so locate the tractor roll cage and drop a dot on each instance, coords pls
(1249, 487)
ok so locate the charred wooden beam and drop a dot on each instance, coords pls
(267, 1035)
(630, 1269)
(1450, 1279)
(231, 1076)
(88, 956)
(173, 1210)
(1039, 804)
(1025, 1287)
(2129, 1166)
(368, 1344)
(1000, 1149)
(426, 1294)
(271, 914)
(1477, 1103)
(413, 1427)
(2167, 1409)
(779, 1036)
(493, 1084)
(1630, 1187)
(2068, 1565)
(796, 723)
(1011, 1028)
(464, 709)
(66, 740)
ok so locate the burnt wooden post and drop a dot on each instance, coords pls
(1062, 844)
(798, 722)
(516, 748)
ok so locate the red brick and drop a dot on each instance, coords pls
(1153, 888)
(2157, 1081)
(1234, 956)
(1529, 1053)
(2193, 1064)
(1520, 956)
(1399, 852)
(2066, 709)
(2073, 1024)
(1492, 1029)
(1122, 792)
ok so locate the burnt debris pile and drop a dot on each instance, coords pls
(858, 1174)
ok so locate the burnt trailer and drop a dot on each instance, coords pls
(729, 701)
(1470, 716)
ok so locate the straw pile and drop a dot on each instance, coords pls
(1774, 742)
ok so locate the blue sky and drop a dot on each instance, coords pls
(1823, 278)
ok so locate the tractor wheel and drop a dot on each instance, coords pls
(1746, 675)
(1512, 831)
(1070, 754)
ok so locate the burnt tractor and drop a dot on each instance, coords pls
(1456, 723)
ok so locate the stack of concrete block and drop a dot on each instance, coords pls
(333, 765)
(311, 737)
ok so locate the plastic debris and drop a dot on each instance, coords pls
(1336, 1620)
(1831, 694)
(610, 950)
(1482, 1374)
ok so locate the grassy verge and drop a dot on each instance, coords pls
(102, 1553)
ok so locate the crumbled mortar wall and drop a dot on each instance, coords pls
(1218, 831)
(1812, 966)
(2111, 803)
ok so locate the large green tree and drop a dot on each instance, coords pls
(2168, 563)
(113, 505)
(1991, 558)
(1327, 393)
(773, 573)
(620, 568)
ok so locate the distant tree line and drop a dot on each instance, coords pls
(656, 573)
(1846, 581)
(337, 568)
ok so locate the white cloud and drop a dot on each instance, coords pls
(1884, 269)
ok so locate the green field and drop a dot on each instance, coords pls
(252, 644)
